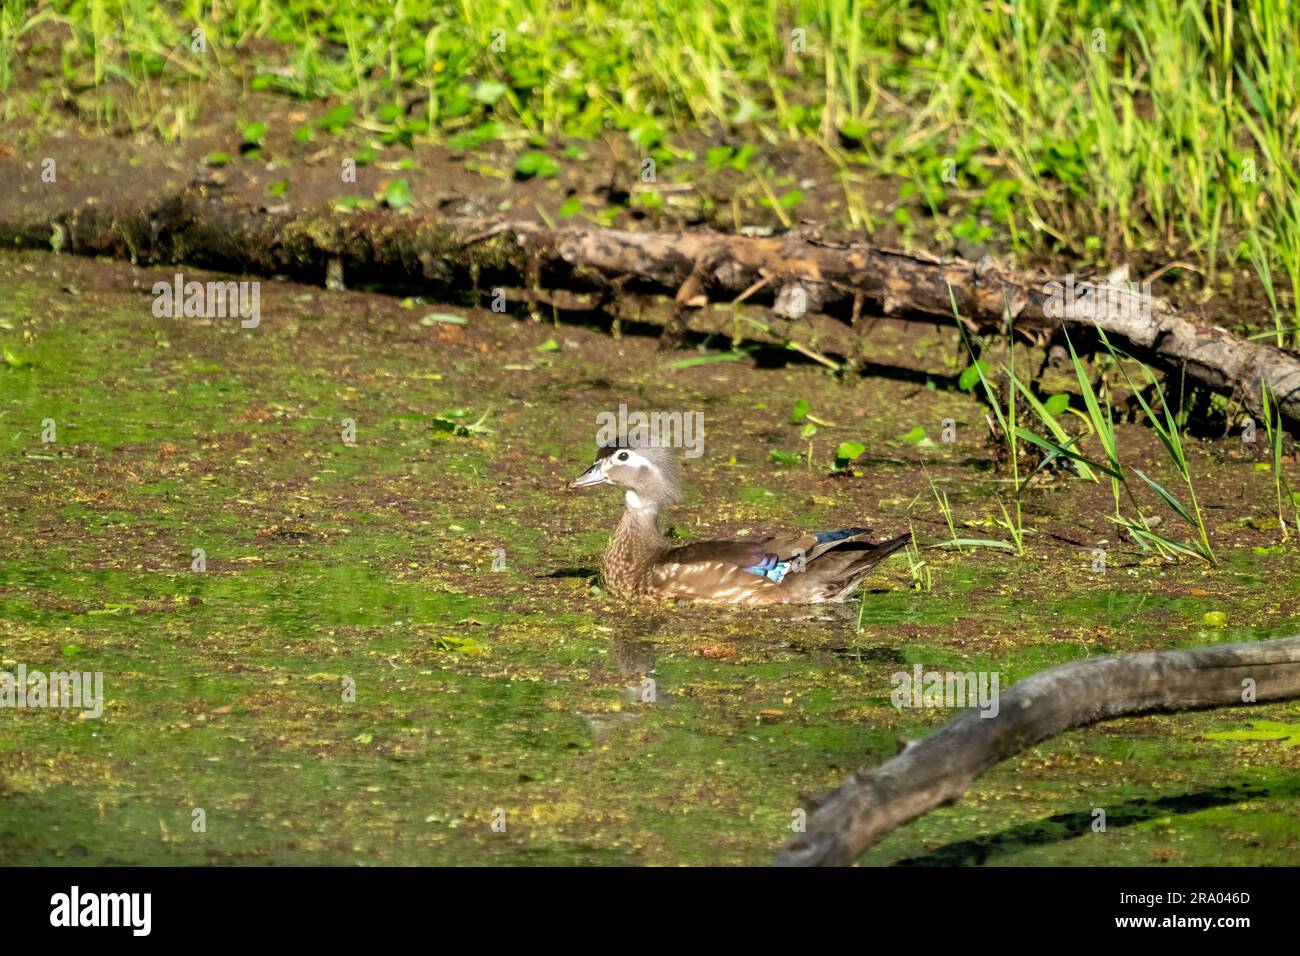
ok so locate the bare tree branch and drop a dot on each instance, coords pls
(692, 267)
(941, 766)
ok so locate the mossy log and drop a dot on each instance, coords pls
(940, 767)
(600, 266)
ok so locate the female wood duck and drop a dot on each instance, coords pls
(777, 569)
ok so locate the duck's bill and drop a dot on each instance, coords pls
(592, 476)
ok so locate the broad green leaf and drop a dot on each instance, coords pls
(1057, 403)
(489, 91)
(849, 450)
(476, 137)
(398, 194)
(970, 375)
(533, 162)
(335, 119)
(717, 155)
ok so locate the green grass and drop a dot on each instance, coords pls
(1101, 423)
(1007, 422)
(1094, 130)
(1286, 497)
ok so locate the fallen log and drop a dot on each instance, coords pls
(940, 767)
(800, 276)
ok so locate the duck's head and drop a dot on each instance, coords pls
(647, 472)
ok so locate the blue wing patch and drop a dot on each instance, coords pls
(825, 536)
(771, 567)
(774, 569)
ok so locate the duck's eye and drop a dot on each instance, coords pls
(622, 456)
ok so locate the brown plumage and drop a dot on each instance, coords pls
(775, 569)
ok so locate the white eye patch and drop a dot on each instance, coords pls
(633, 460)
